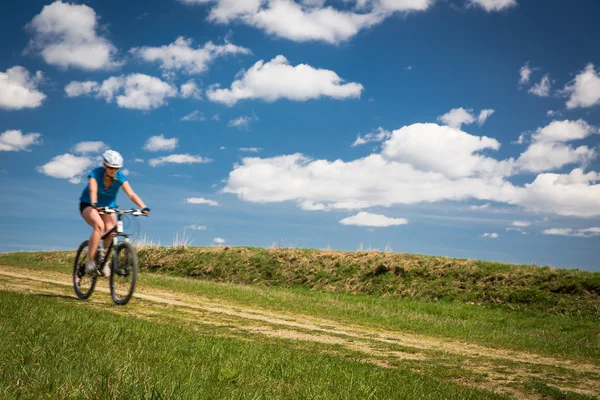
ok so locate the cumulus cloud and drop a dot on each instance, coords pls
(420, 163)
(584, 90)
(377, 136)
(277, 79)
(66, 166)
(14, 140)
(66, 36)
(443, 150)
(179, 159)
(369, 219)
(219, 241)
(493, 5)
(134, 91)
(190, 89)
(181, 55)
(160, 143)
(548, 150)
(542, 88)
(459, 116)
(250, 149)
(18, 89)
(200, 200)
(89, 147)
(308, 20)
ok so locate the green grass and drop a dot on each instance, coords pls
(544, 332)
(54, 347)
(490, 284)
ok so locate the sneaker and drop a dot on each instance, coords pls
(106, 269)
(100, 253)
(90, 268)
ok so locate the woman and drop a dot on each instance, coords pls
(101, 191)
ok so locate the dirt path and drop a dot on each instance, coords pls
(499, 370)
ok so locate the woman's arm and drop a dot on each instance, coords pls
(93, 185)
(132, 196)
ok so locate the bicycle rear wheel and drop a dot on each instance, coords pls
(123, 276)
(82, 283)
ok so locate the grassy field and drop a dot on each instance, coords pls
(243, 324)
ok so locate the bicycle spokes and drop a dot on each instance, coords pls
(124, 274)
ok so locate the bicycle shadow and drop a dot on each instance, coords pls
(56, 296)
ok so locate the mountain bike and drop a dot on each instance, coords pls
(124, 265)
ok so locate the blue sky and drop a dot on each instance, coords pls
(463, 128)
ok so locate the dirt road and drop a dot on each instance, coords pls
(498, 370)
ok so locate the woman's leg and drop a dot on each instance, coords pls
(93, 219)
(109, 222)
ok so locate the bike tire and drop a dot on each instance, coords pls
(83, 291)
(123, 276)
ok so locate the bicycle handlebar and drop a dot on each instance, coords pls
(134, 211)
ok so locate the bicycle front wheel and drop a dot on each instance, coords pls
(82, 283)
(123, 276)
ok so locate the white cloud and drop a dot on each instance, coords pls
(491, 235)
(584, 90)
(277, 79)
(587, 232)
(369, 219)
(242, 122)
(310, 20)
(552, 113)
(160, 143)
(573, 194)
(14, 140)
(75, 89)
(378, 136)
(542, 88)
(137, 91)
(89, 147)
(197, 227)
(445, 150)
(250, 149)
(493, 5)
(481, 207)
(525, 74)
(66, 166)
(484, 115)
(456, 117)
(219, 241)
(65, 35)
(179, 159)
(193, 116)
(180, 55)
(548, 151)
(521, 224)
(200, 200)
(138, 160)
(189, 89)
(18, 89)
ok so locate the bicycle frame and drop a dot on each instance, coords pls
(116, 231)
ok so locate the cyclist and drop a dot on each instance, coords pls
(101, 191)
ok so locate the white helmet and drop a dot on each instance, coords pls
(112, 159)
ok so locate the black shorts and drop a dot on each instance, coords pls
(82, 206)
